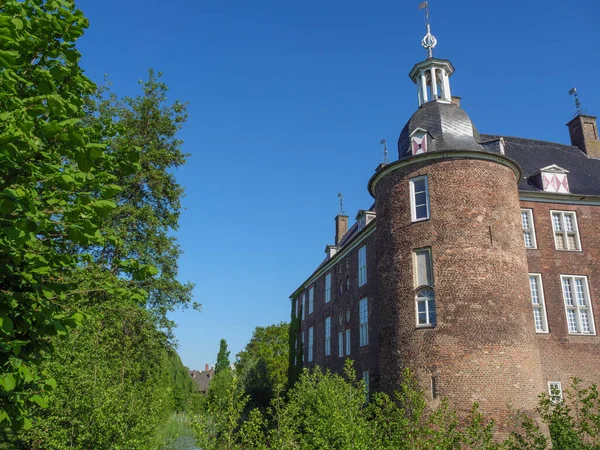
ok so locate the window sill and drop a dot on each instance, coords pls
(425, 326)
(424, 219)
(566, 250)
(581, 334)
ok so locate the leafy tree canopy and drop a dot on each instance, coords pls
(263, 364)
(222, 358)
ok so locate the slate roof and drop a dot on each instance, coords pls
(532, 155)
(448, 125)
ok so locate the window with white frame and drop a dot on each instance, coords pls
(327, 336)
(566, 233)
(303, 305)
(347, 342)
(363, 309)
(366, 380)
(341, 344)
(555, 391)
(362, 265)
(297, 306)
(419, 198)
(425, 296)
(328, 288)
(580, 319)
(303, 348)
(528, 228)
(537, 300)
(311, 300)
(310, 344)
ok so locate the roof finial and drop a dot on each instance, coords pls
(386, 159)
(341, 204)
(429, 41)
(578, 109)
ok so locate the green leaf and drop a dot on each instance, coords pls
(8, 382)
(6, 324)
(42, 402)
(103, 207)
(51, 382)
(133, 156)
(18, 24)
(45, 87)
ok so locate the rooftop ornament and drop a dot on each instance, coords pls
(429, 41)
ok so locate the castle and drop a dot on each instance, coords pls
(477, 267)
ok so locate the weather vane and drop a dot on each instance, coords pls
(429, 41)
(578, 109)
(386, 159)
(341, 204)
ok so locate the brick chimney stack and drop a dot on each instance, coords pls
(455, 100)
(206, 368)
(341, 227)
(584, 134)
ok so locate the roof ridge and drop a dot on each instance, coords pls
(528, 139)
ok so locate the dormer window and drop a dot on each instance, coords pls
(501, 146)
(364, 217)
(418, 141)
(552, 179)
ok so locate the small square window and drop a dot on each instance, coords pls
(555, 391)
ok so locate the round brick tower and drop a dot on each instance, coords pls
(452, 273)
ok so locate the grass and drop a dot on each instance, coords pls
(176, 434)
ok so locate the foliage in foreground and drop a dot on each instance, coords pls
(263, 363)
(325, 410)
(88, 261)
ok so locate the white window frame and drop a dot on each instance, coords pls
(310, 344)
(328, 288)
(362, 266)
(363, 314)
(558, 387)
(541, 305)
(575, 305)
(328, 336)
(348, 342)
(303, 352)
(341, 344)
(311, 300)
(413, 205)
(528, 230)
(430, 313)
(563, 232)
(303, 305)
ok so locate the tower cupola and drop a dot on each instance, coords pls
(432, 76)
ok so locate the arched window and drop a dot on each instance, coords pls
(425, 300)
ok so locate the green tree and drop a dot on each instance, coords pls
(222, 358)
(55, 194)
(118, 375)
(263, 364)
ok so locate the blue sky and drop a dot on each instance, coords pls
(288, 103)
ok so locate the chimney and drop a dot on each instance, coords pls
(584, 134)
(455, 100)
(341, 227)
(206, 368)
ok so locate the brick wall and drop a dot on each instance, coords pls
(564, 355)
(483, 347)
(345, 269)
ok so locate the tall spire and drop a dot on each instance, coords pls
(429, 41)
